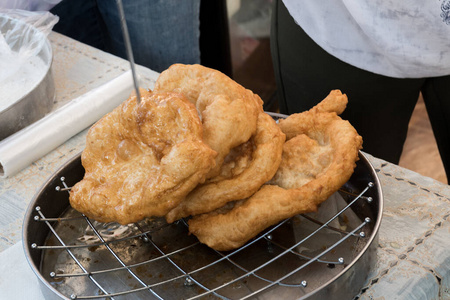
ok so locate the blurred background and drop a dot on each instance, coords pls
(242, 51)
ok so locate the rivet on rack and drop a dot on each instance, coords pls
(73, 296)
(362, 234)
(38, 208)
(369, 199)
(367, 220)
(269, 243)
(304, 283)
(36, 218)
(188, 281)
(58, 188)
(34, 246)
(341, 260)
(52, 274)
(370, 184)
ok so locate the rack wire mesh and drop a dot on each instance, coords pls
(84, 259)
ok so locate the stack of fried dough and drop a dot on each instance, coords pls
(200, 146)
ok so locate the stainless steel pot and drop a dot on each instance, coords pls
(154, 260)
(39, 100)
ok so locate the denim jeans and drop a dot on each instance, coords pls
(162, 32)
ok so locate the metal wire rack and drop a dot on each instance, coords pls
(84, 259)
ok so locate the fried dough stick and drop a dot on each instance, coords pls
(318, 158)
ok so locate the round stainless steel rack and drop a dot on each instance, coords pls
(325, 255)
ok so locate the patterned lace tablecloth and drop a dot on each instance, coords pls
(413, 256)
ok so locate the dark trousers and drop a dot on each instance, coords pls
(161, 32)
(379, 107)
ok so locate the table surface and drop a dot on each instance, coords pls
(413, 260)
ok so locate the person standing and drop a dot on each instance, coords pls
(382, 54)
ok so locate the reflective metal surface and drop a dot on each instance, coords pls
(39, 100)
(65, 252)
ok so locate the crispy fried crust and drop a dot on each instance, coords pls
(265, 159)
(318, 158)
(228, 230)
(228, 111)
(142, 160)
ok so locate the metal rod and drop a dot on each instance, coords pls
(130, 265)
(121, 262)
(105, 293)
(184, 274)
(307, 263)
(190, 274)
(126, 38)
(253, 272)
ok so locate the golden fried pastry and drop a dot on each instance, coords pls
(319, 156)
(242, 174)
(142, 160)
(228, 111)
(334, 102)
(227, 229)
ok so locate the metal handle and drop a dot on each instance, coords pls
(126, 38)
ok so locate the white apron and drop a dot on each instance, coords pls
(396, 38)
